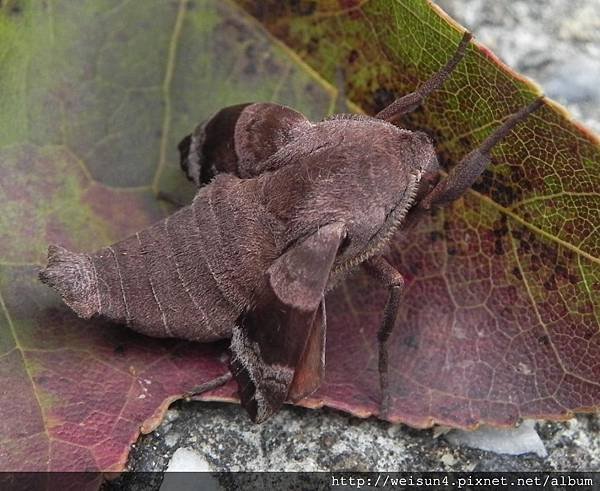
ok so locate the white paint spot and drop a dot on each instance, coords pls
(186, 460)
(511, 441)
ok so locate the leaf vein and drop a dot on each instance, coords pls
(166, 89)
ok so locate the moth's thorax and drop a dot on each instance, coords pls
(361, 171)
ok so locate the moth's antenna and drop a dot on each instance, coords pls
(463, 175)
(409, 102)
(506, 127)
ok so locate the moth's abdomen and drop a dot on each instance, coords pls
(158, 282)
(188, 276)
(161, 283)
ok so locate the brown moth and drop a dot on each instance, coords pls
(285, 208)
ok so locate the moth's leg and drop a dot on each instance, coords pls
(210, 385)
(382, 270)
(411, 101)
(463, 175)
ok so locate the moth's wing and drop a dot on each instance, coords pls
(238, 139)
(311, 367)
(271, 339)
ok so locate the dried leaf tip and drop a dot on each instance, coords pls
(72, 275)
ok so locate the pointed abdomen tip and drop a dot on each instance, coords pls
(73, 277)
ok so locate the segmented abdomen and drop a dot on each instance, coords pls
(188, 276)
(159, 282)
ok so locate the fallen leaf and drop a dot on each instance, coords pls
(499, 318)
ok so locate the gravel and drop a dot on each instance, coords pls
(555, 42)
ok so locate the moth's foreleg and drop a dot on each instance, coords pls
(411, 101)
(383, 271)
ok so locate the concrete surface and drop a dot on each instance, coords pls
(557, 43)
(299, 439)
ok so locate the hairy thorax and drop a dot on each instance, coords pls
(362, 172)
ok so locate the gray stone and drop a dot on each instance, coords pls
(299, 439)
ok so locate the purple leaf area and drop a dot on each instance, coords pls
(500, 316)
